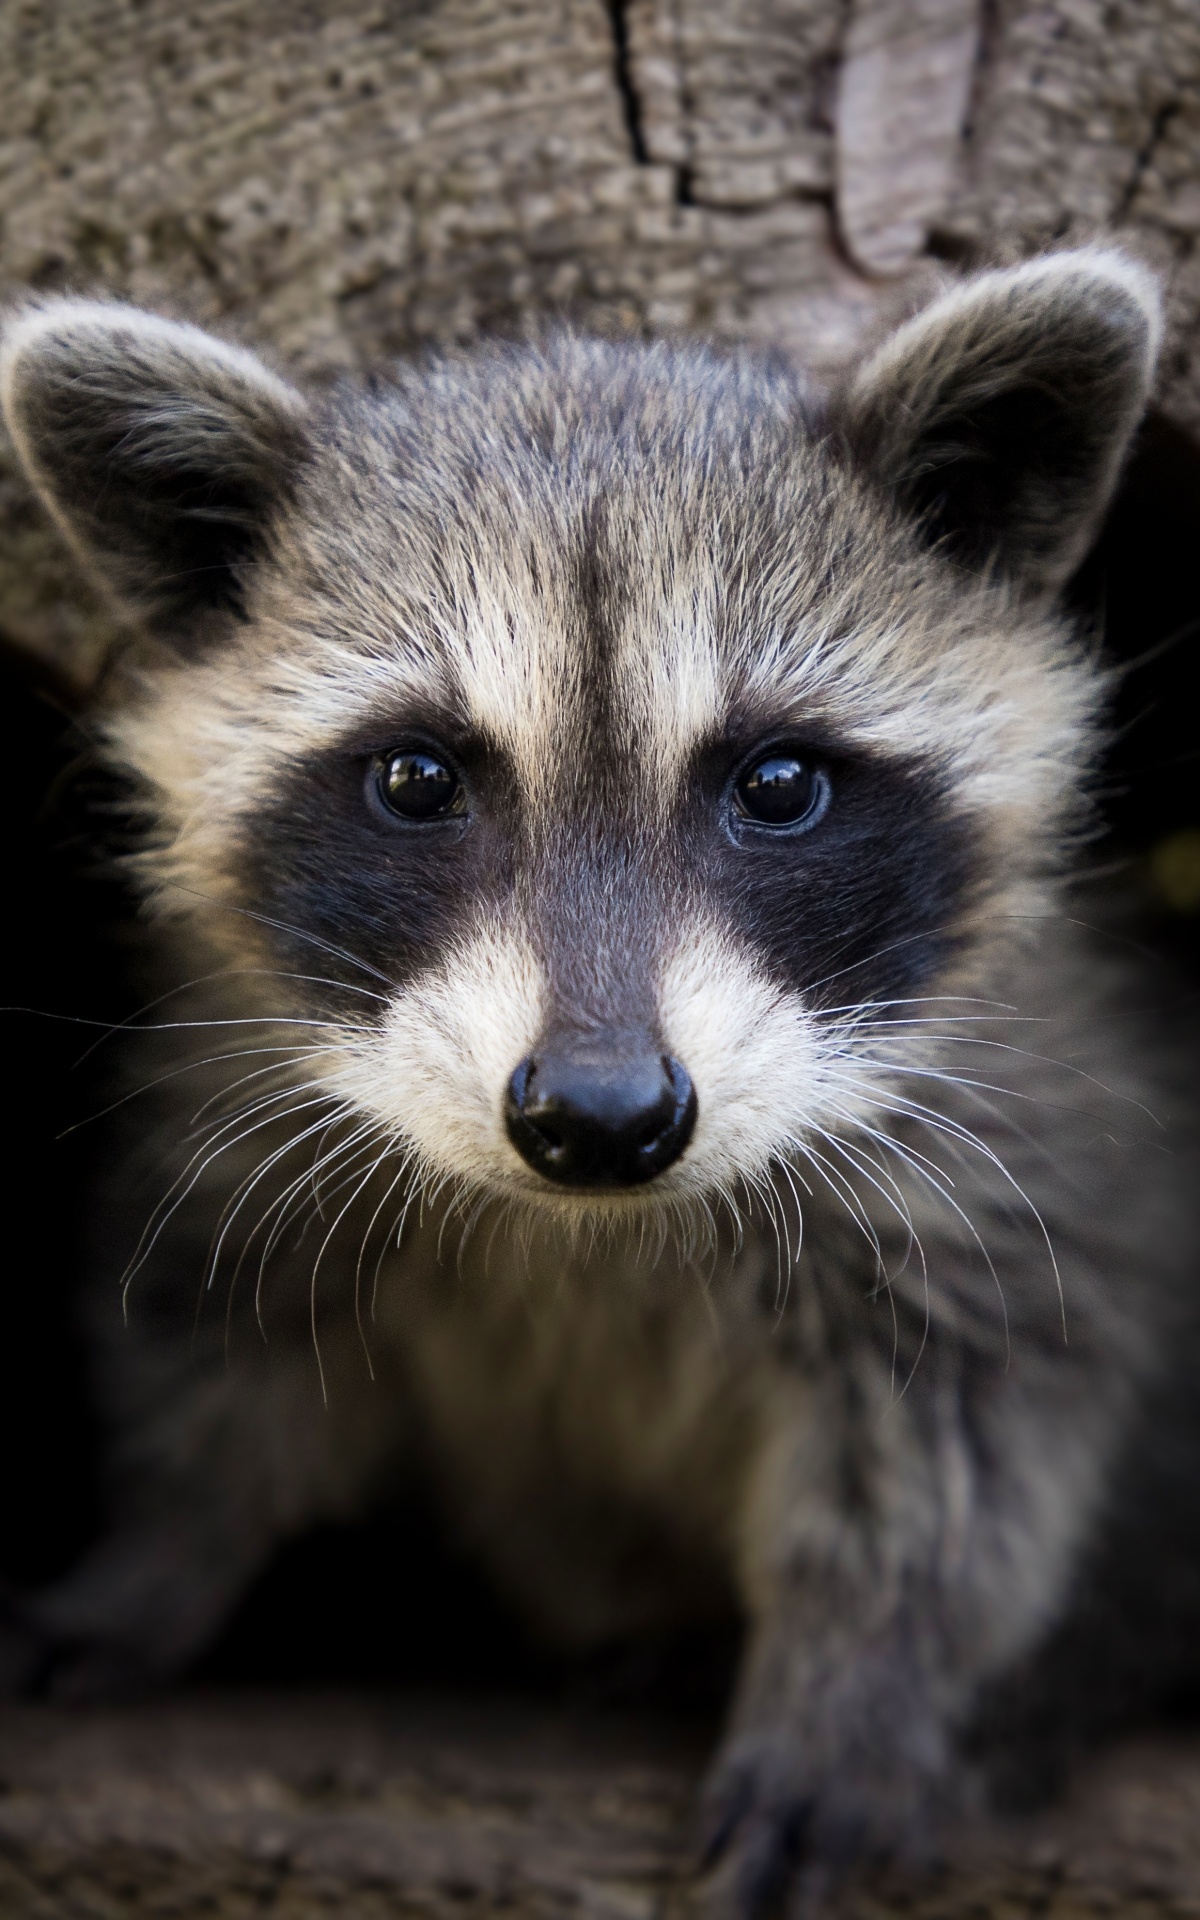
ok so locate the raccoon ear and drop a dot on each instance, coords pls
(161, 452)
(1001, 414)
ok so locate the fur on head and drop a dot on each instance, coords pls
(600, 586)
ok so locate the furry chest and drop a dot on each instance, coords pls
(592, 1422)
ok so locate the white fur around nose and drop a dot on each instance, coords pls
(755, 1055)
(434, 1074)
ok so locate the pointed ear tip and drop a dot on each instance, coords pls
(33, 335)
(1094, 278)
(68, 326)
(29, 321)
(33, 330)
(1102, 281)
(21, 327)
(1104, 270)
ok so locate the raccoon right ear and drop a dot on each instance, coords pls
(1001, 414)
(162, 453)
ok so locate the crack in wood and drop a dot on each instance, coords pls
(631, 106)
(1144, 157)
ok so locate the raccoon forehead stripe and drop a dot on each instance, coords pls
(673, 684)
(514, 666)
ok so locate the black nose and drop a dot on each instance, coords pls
(600, 1123)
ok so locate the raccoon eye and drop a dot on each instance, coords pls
(417, 784)
(781, 790)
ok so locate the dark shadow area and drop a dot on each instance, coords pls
(1141, 587)
(392, 1602)
(60, 968)
(1143, 579)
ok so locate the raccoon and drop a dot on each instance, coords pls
(625, 1049)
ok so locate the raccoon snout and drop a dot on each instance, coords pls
(600, 1123)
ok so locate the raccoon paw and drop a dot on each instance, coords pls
(755, 1817)
(775, 1832)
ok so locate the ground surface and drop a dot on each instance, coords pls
(298, 1806)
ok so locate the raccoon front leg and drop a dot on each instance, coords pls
(839, 1750)
(893, 1562)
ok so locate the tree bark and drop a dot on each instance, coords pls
(340, 181)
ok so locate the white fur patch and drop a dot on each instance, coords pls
(434, 1074)
(754, 1053)
(673, 683)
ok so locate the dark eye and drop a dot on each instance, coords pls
(782, 790)
(417, 784)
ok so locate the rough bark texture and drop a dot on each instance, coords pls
(343, 180)
(299, 1807)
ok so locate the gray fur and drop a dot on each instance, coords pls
(869, 1362)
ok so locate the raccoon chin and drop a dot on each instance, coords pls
(674, 1214)
(631, 1231)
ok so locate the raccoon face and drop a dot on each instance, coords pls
(602, 742)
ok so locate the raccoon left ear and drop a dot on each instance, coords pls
(1002, 413)
(162, 453)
